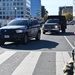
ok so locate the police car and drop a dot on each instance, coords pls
(20, 30)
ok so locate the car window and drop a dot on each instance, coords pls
(52, 21)
(18, 22)
(34, 22)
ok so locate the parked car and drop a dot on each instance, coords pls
(20, 30)
(71, 23)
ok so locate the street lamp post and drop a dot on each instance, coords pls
(15, 11)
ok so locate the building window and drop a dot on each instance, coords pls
(18, 3)
(0, 17)
(21, 16)
(18, 8)
(11, 4)
(21, 12)
(3, 4)
(0, 8)
(10, 12)
(0, 12)
(3, 17)
(3, 12)
(21, 8)
(3, 8)
(27, 9)
(14, 3)
(21, 3)
(7, 4)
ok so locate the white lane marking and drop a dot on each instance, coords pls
(4, 56)
(27, 66)
(69, 42)
(61, 59)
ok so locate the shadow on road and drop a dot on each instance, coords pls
(31, 45)
(62, 34)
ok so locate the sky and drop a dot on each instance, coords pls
(52, 6)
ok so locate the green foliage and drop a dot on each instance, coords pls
(45, 17)
(69, 16)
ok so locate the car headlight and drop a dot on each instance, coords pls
(19, 31)
(56, 26)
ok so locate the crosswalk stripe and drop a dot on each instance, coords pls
(61, 59)
(27, 66)
(4, 56)
(66, 57)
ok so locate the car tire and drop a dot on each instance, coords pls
(2, 43)
(25, 39)
(38, 36)
(43, 32)
(63, 31)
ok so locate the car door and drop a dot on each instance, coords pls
(36, 27)
(31, 29)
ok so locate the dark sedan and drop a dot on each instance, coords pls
(20, 30)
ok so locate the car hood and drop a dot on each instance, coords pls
(12, 27)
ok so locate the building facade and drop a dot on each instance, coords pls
(36, 8)
(74, 9)
(14, 8)
(43, 11)
(65, 9)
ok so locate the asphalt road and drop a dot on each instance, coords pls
(37, 57)
(48, 42)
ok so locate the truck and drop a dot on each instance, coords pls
(55, 23)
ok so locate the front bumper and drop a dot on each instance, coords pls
(11, 37)
(50, 30)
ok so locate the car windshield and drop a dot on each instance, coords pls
(18, 22)
(52, 21)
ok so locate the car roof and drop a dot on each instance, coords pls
(24, 19)
(20, 19)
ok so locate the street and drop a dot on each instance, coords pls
(44, 57)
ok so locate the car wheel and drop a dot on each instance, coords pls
(1, 43)
(38, 36)
(63, 31)
(43, 32)
(25, 39)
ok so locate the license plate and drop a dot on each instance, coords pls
(6, 36)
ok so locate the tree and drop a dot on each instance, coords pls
(69, 16)
(45, 17)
